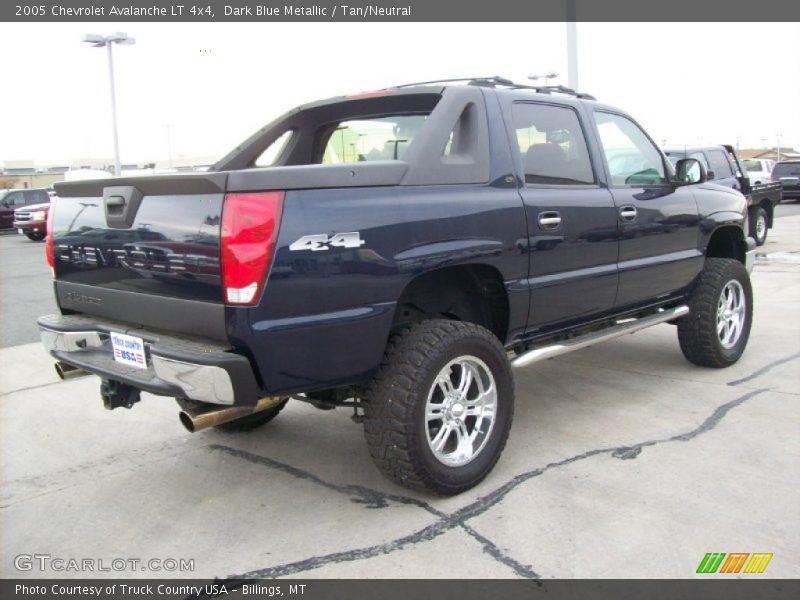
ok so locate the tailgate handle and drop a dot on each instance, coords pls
(121, 203)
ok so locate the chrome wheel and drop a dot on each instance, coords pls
(460, 411)
(731, 314)
(761, 227)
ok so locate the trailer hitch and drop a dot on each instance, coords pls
(116, 394)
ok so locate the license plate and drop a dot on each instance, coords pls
(20, 231)
(128, 350)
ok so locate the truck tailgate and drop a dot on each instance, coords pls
(157, 267)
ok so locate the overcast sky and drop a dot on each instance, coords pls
(215, 83)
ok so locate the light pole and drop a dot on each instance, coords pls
(546, 77)
(779, 146)
(572, 44)
(98, 41)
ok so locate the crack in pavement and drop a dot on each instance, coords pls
(31, 387)
(763, 370)
(446, 522)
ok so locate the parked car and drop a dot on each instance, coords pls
(787, 173)
(397, 287)
(14, 199)
(32, 221)
(758, 169)
(723, 167)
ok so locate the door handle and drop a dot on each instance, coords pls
(627, 213)
(549, 220)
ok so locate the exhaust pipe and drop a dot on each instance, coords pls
(211, 415)
(66, 371)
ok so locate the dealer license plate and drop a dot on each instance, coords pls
(20, 231)
(128, 350)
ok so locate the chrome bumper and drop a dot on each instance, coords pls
(750, 255)
(200, 370)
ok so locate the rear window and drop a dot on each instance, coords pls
(784, 169)
(377, 138)
(751, 165)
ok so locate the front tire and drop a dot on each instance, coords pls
(438, 412)
(35, 237)
(715, 332)
(758, 225)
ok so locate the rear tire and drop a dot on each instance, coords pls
(438, 412)
(715, 332)
(758, 225)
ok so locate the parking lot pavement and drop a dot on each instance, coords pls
(624, 461)
(26, 290)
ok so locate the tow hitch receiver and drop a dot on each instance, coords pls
(116, 394)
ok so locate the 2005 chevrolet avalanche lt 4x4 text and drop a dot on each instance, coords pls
(396, 251)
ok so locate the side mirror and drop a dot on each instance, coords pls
(689, 171)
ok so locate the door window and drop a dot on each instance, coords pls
(551, 145)
(632, 159)
(720, 164)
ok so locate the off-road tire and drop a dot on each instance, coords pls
(394, 404)
(697, 332)
(758, 215)
(242, 424)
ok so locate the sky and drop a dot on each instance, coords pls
(197, 90)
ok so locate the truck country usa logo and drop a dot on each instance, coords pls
(719, 562)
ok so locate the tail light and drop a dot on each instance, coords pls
(49, 249)
(250, 223)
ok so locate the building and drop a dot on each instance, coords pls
(770, 153)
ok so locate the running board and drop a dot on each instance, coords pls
(583, 341)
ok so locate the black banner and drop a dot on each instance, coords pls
(392, 589)
(398, 10)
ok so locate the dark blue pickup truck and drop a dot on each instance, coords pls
(396, 252)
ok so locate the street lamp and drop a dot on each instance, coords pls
(98, 41)
(546, 77)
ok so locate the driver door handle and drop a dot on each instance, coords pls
(549, 220)
(627, 213)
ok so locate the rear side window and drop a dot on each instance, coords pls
(551, 145)
(631, 157)
(378, 138)
(720, 163)
(786, 169)
(274, 150)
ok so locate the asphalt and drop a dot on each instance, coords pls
(624, 461)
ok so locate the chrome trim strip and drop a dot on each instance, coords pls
(590, 339)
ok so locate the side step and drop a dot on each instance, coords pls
(583, 341)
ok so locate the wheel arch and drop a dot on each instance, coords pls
(473, 292)
(727, 241)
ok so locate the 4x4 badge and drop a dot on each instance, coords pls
(321, 241)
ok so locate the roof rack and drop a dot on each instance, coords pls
(497, 81)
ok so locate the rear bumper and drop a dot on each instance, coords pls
(177, 366)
